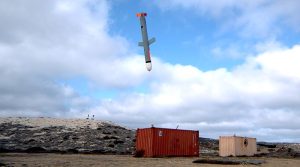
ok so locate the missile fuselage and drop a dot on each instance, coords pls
(145, 42)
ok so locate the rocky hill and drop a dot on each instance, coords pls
(64, 135)
(92, 136)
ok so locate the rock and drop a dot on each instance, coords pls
(296, 155)
(284, 151)
(2, 164)
(118, 142)
(36, 150)
(265, 144)
(209, 147)
(97, 137)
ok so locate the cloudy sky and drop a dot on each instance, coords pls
(223, 68)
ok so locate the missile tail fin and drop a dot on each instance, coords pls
(151, 41)
(141, 44)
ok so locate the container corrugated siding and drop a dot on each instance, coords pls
(234, 146)
(144, 141)
(160, 142)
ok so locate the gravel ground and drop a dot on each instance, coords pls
(90, 160)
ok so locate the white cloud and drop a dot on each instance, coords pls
(268, 45)
(44, 42)
(57, 40)
(230, 51)
(255, 19)
(255, 98)
(65, 39)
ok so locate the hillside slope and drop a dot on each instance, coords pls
(64, 135)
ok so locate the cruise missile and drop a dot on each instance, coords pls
(145, 42)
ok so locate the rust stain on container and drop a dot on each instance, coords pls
(161, 142)
(237, 146)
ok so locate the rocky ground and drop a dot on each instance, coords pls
(99, 160)
(278, 150)
(64, 136)
(210, 147)
(91, 136)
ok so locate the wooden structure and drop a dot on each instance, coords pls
(162, 142)
(237, 146)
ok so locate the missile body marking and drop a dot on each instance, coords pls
(145, 42)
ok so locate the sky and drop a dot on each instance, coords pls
(223, 68)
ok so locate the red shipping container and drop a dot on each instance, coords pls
(162, 142)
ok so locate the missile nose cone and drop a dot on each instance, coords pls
(149, 66)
